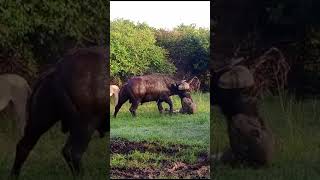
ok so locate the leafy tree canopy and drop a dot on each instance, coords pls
(133, 50)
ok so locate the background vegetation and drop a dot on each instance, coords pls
(133, 50)
(251, 27)
(34, 34)
(137, 49)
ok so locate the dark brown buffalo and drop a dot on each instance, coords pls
(154, 87)
(75, 93)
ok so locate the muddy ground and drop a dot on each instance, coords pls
(166, 168)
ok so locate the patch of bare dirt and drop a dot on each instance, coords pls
(198, 170)
(122, 146)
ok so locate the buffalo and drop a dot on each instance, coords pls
(251, 139)
(16, 90)
(153, 87)
(114, 91)
(74, 92)
(188, 106)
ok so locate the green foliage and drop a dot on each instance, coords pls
(248, 28)
(300, 12)
(40, 31)
(188, 48)
(304, 53)
(133, 50)
(138, 49)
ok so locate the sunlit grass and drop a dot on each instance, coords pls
(152, 126)
(191, 131)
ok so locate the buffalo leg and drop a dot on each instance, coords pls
(33, 132)
(75, 146)
(116, 98)
(20, 110)
(169, 102)
(121, 101)
(160, 108)
(134, 106)
(19, 102)
(104, 125)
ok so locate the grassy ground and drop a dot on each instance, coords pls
(46, 161)
(296, 126)
(159, 145)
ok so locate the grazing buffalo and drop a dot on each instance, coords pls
(114, 91)
(251, 140)
(15, 89)
(154, 87)
(75, 93)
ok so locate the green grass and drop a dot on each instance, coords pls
(296, 126)
(45, 160)
(191, 132)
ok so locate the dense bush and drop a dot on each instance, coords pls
(133, 51)
(39, 32)
(249, 28)
(188, 47)
(138, 49)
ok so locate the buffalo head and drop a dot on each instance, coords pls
(230, 80)
(182, 88)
